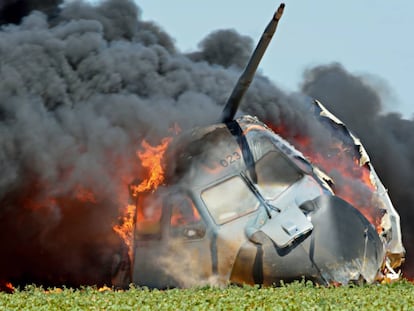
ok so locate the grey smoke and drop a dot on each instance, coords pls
(225, 48)
(81, 88)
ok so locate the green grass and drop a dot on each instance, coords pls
(295, 296)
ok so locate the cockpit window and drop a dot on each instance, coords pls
(185, 220)
(229, 200)
(275, 174)
(148, 218)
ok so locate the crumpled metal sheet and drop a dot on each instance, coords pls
(391, 219)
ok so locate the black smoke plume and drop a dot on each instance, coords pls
(12, 11)
(82, 85)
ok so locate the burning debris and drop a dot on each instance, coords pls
(110, 82)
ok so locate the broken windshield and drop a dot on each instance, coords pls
(275, 174)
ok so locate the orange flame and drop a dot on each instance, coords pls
(7, 287)
(151, 158)
(352, 182)
(84, 195)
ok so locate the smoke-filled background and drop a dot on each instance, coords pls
(82, 85)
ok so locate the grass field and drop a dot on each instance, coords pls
(296, 296)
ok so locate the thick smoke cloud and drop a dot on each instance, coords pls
(225, 48)
(82, 86)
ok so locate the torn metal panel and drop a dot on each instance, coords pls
(390, 222)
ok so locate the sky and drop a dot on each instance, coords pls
(369, 38)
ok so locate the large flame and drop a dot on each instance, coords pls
(151, 158)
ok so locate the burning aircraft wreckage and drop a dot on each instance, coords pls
(242, 201)
(239, 204)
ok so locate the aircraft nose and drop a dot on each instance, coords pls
(342, 247)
